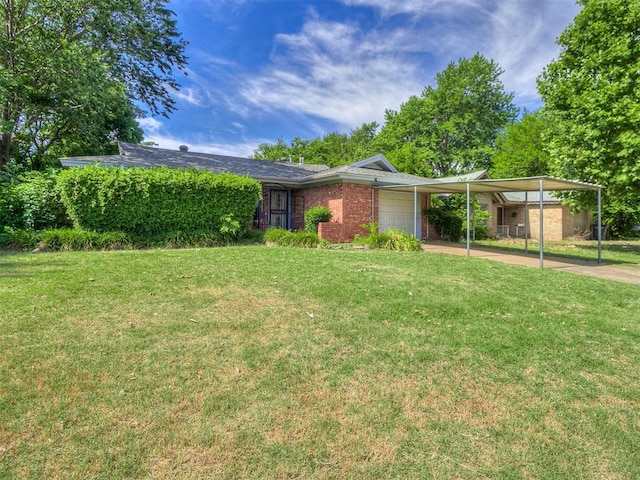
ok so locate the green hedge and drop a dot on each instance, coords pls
(314, 216)
(32, 202)
(148, 202)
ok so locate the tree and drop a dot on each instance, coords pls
(65, 63)
(521, 149)
(332, 149)
(272, 151)
(592, 93)
(450, 128)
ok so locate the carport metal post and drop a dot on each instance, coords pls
(416, 231)
(541, 241)
(599, 225)
(526, 222)
(468, 223)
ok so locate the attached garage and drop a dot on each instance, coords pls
(396, 210)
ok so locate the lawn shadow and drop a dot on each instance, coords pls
(16, 269)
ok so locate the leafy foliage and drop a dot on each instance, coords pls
(447, 222)
(314, 216)
(76, 239)
(391, 239)
(592, 93)
(18, 239)
(285, 238)
(32, 202)
(147, 202)
(10, 206)
(521, 149)
(71, 70)
(451, 128)
(332, 150)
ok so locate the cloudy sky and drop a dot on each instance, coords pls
(260, 70)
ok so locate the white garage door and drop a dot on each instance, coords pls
(396, 210)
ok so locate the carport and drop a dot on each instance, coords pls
(527, 184)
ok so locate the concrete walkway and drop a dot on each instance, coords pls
(625, 274)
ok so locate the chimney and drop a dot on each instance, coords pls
(183, 148)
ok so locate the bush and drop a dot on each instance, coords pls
(42, 207)
(401, 241)
(11, 208)
(392, 239)
(18, 239)
(32, 202)
(285, 238)
(74, 239)
(314, 216)
(151, 202)
(447, 223)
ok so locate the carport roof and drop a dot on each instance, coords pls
(525, 184)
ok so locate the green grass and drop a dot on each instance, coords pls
(256, 362)
(621, 252)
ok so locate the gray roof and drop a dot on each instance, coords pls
(468, 177)
(373, 170)
(519, 197)
(141, 156)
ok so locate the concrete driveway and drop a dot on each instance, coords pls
(627, 274)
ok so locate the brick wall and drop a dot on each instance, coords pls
(350, 205)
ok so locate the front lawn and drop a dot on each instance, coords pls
(257, 362)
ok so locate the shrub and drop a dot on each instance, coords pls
(42, 207)
(149, 202)
(479, 223)
(285, 238)
(447, 223)
(32, 202)
(17, 239)
(11, 208)
(392, 239)
(314, 216)
(74, 239)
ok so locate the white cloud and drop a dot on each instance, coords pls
(155, 132)
(333, 71)
(150, 124)
(519, 35)
(338, 72)
(201, 145)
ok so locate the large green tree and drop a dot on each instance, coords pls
(72, 68)
(451, 128)
(521, 149)
(592, 91)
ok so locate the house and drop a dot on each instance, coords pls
(370, 190)
(508, 211)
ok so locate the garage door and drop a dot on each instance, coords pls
(396, 210)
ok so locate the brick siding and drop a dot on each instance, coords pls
(350, 205)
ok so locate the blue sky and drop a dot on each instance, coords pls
(260, 70)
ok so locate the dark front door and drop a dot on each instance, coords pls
(278, 201)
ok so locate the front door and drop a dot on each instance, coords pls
(278, 202)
